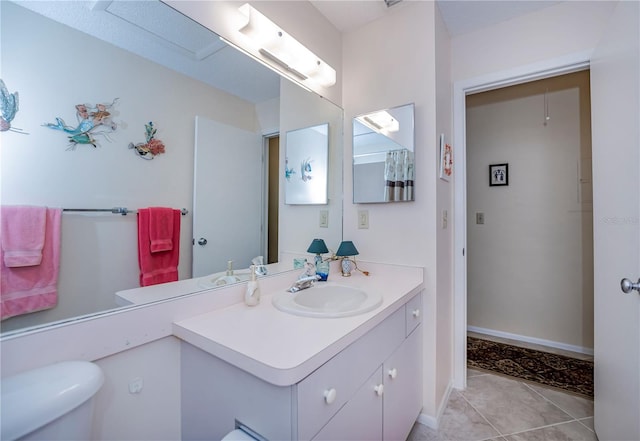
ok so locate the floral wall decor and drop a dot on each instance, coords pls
(92, 121)
(152, 147)
(9, 108)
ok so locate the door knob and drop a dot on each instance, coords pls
(202, 241)
(628, 286)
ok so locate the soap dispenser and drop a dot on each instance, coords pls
(252, 295)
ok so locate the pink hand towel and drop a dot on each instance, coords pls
(157, 267)
(23, 232)
(33, 288)
(161, 229)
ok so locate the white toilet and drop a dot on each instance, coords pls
(242, 433)
(50, 403)
(238, 435)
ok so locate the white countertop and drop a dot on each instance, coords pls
(164, 291)
(282, 348)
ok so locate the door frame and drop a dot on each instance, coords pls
(522, 74)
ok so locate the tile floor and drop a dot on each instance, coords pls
(499, 408)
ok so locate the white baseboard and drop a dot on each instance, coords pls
(431, 421)
(428, 420)
(537, 341)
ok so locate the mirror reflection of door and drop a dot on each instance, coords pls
(273, 194)
(227, 202)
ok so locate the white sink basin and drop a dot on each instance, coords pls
(327, 300)
(221, 279)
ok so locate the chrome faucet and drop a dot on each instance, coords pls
(306, 279)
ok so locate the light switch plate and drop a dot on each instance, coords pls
(324, 218)
(480, 218)
(363, 219)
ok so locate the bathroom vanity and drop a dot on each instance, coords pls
(288, 377)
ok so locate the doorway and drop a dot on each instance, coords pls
(530, 234)
(550, 68)
(273, 195)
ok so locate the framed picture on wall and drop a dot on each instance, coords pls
(498, 175)
(446, 160)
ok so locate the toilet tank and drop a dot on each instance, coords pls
(50, 403)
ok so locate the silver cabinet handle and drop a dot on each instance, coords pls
(202, 241)
(628, 286)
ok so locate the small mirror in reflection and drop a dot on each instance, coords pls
(383, 156)
(306, 165)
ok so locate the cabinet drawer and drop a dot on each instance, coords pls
(343, 375)
(414, 313)
(359, 419)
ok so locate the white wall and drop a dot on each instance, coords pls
(298, 225)
(565, 28)
(38, 169)
(530, 265)
(391, 62)
(444, 220)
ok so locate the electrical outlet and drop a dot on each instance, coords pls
(136, 385)
(324, 218)
(445, 219)
(363, 219)
(480, 218)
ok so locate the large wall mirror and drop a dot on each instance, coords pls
(154, 65)
(383, 156)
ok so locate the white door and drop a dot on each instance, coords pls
(615, 104)
(227, 201)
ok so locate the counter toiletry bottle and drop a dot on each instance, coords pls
(322, 269)
(252, 295)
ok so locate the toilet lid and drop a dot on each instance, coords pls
(237, 435)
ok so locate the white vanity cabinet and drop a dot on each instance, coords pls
(371, 390)
(387, 404)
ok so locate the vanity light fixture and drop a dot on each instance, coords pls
(346, 250)
(284, 50)
(381, 122)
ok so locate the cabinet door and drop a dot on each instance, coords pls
(402, 373)
(361, 417)
(345, 373)
(414, 313)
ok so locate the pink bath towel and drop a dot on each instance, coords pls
(157, 267)
(23, 231)
(161, 229)
(33, 288)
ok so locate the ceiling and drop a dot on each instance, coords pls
(155, 31)
(460, 16)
